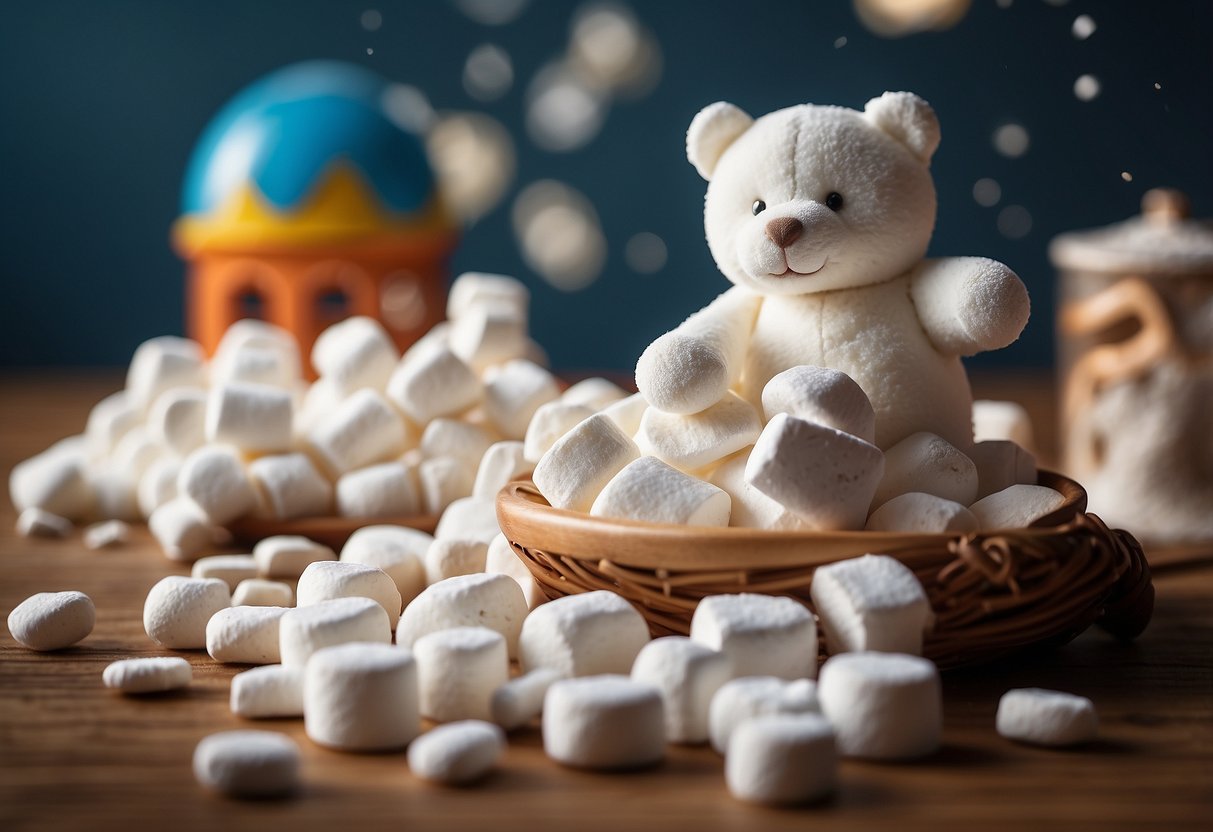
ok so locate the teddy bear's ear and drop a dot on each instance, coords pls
(713, 129)
(907, 118)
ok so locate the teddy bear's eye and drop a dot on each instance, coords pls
(834, 201)
(758, 207)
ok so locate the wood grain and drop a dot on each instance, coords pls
(74, 756)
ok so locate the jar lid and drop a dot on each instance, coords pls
(1161, 240)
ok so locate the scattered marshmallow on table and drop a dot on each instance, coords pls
(918, 512)
(35, 522)
(872, 602)
(160, 364)
(252, 417)
(388, 489)
(550, 422)
(326, 580)
(451, 557)
(231, 569)
(1002, 420)
(1016, 507)
(290, 486)
(883, 706)
(52, 620)
(585, 634)
(463, 441)
(1001, 464)
(214, 478)
(501, 560)
(457, 753)
(696, 440)
(469, 518)
(398, 550)
(287, 555)
(595, 393)
(259, 592)
(443, 480)
(762, 635)
(477, 600)
(513, 392)
(245, 635)
(177, 419)
(362, 430)
(158, 484)
(782, 760)
(627, 413)
(269, 691)
(151, 675)
(432, 382)
(688, 675)
(55, 480)
(182, 529)
(650, 490)
(749, 696)
(304, 630)
(749, 507)
(580, 464)
(603, 722)
(457, 671)
(248, 763)
(502, 463)
(930, 464)
(821, 395)
(177, 609)
(105, 534)
(518, 701)
(354, 354)
(361, 697)
(1046, 717)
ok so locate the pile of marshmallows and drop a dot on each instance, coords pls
(607, 696)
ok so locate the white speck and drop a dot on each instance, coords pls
(645, 253)
(1157, 85)
(1125, 175)
(1011, 140)
(370, 51)
(987, 192)
(488, 73)
(1083, 28)
(1014, 222)
(1086, 87)
(840, 42)
(371, 20)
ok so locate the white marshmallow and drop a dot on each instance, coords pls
(362, 430)
(158, 484)
(272, 690)
(693, 441)
(443, 480)
(459, 440)
(1001, 464)
(749, 696)
(304, 630)
(469, 518)
(762, 635)
(231, 569)
(162, 364)
(152, 675)
(492, 601)
(782, 760)
(258, 592)
(821, 395)
(1016, 507)
(603, 722)
(520, 700)
(916, 512)
(354, 354)
(52, 620)
(248, 763)
(55, 480)
(1046, 717)
(1002, 420)
(361, 697)
(457, 753)
(109, 421)
(595, 393)
(484, 337)
(177, 419)
(432, 382)
(688, 675)
(749, 507)
(257, 364)
(627, 413)
(105, 534)
(397, 550)
(450, 557)
(326, 580)
(244, 635)
(872, 602)
(215, 480)
(286, 556)
(930, 464)
(647, 489)
(318, 403)
(513, 392)
(182, 529)
(252, 417)
(114, 493)
(883, 706)
(135, 453)
(825, 476)
(583, 635)
(177, 608)
(458, 670)
(480, 290)
(550, 422)
(34, 522)
(501, 560)
(580, 464)
(290, 486)
(386, 490)
(502, 463)
(253, 334)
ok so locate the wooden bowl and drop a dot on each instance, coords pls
(992, 592)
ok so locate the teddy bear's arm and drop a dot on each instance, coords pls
(969, 304)
(691, 368)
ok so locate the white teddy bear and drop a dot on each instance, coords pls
(821, 218)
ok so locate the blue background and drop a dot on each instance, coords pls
(101, 103)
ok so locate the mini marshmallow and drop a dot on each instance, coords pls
(883, 706)
(825, 476)
(272, 690)
(255, 364)
(286, 556)
(248, 763)
(177, 419)
(762, 635)
(501, 560)
(872, 602)
(469, 518)
(258, 592)
(326, 580)
(749, 507)
(55, 480)
(109, 421)
(304, 630)
(688, 675)
(158, 485)
(251, 333)
(930, 464)
(52, 620)
(550, 422)
(457, 753)
(432, 382)
(821, 395)
(484, 337)
(465, 442)
(647, 489)
(692, 441)
(152, 675)
(994, 420)
(749, 696)
(177, 609)
(161, 364)
(35, 522)
(916, 512)
(386, 490)
(290, 486)
(583, 635)
(483, 600)
(458, 670)
(595, 393)
(215, 480)
(443, 481)
(361, 697)
(135, 453)
(782, 760)
(319, 401)
(397, 550)
(627, 413)
(502, 463)
(252, 417)
(603, 722)
(1001, 464)
(354, 354)
(114, 493)
(181, 529)
(520, 700)
(231, 569)
(480, 290)
(513, 392)
(450, 557)
(362, 430)
(245, 635)
(105, 534)
(580, 464)
(1046, 717)
(1016, 507)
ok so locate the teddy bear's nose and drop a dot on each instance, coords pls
(784, 231)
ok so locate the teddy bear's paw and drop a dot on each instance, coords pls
(995, 307)
(681, 374)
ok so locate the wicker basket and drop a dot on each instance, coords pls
(993, 592)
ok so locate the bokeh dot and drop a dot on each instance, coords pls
(1014, 222)
(1086, 88)
(987, 192)
(1011, 140)
(645, 253)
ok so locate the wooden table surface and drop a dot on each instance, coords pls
(76, 756)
